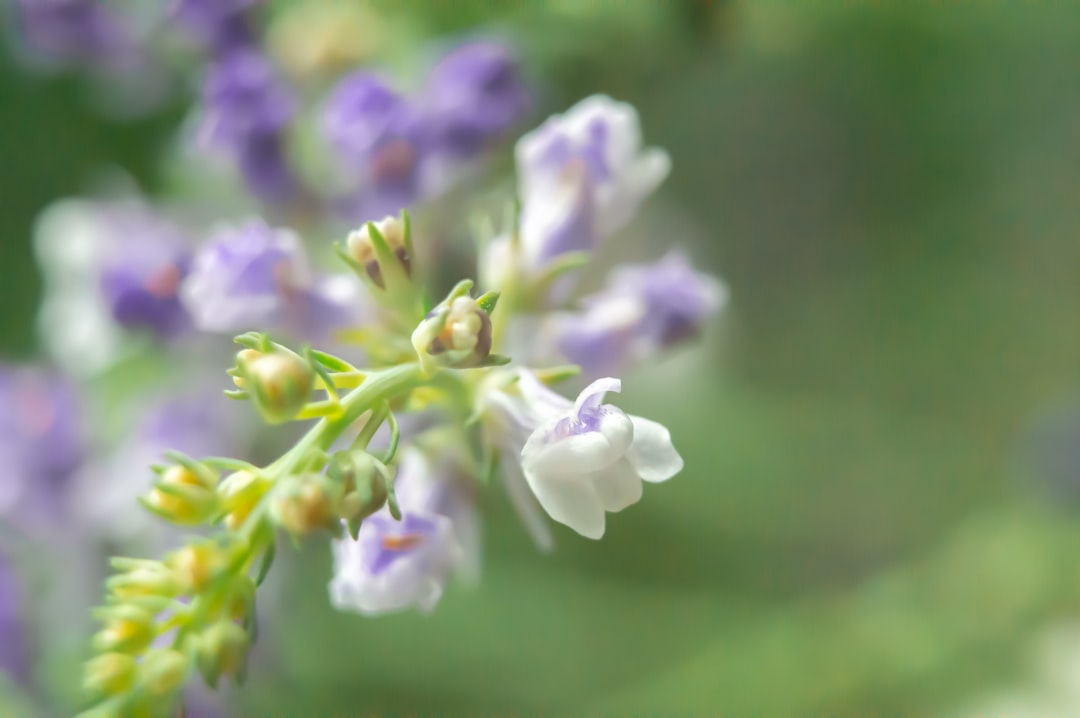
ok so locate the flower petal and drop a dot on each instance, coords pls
(572, 501)
(524, 504)
(593, 395)
(652, 452)
(618, 486)
(551, 452)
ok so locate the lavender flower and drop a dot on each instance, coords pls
(255, 277)
(645, 309)
(247, 109)
(475, 94)
(396, 565)
(13, 650)
(77, 31)
(220, 25)
(582, 176)
(378, 137)
(583, 458)
(41, 441)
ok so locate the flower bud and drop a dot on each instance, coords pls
(183, 495)
(108, 674)
(222, 651)
(163, 671)
(128, 629)
(312, 503)
(144, 581)
(195, 566)
(365, 482)
(278, 382)
(238, 494)
(464, 337)
(361, 248)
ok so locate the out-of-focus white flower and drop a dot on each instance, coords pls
(582, 176)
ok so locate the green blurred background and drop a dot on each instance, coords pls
(892, 192)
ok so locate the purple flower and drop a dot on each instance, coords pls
(582, 176)
(475, 94)
(246, 110)
(220, 25)
(376, 133)
(254, 277)
(77, 31)
(644, 309)
(41, 441)
(396, 565)
(14, 659)
(143, 260)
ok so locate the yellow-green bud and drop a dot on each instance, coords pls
(312, 503)
(184, 496)
(195, 566)
(128, 629)
(108, 674)
(163, 671)
(239, 493)
(144, 581)
(279, 383)
(361, 249)
(222, 651)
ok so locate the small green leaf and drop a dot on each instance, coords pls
(266, 563)
(488, 301)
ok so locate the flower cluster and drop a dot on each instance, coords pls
(458, 393)
(410, 405)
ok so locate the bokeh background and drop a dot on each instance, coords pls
(880, 431)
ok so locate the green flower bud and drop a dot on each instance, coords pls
(163, 671)
(183, 495)
(222, 651)
(365, 481)
(128, 629)
(108, 674)
(309, 504)
(279, 382)
(238, 494)
(195, 566)
(150, 580)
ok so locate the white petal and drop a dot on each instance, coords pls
(618, 486)
(593, 394)
(570, 500)
(549, 455)
(652, 452)
(524, 504)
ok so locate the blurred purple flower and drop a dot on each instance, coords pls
(475, 94)
(377, 134)
(396, 565)
(643, 310)
(143, 260)
(246, 110)
(220, 25)
(254, 277)
(41, 442)
(77, 31)
(14, 659)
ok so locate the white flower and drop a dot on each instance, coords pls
(582, 176)
(584, 458)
